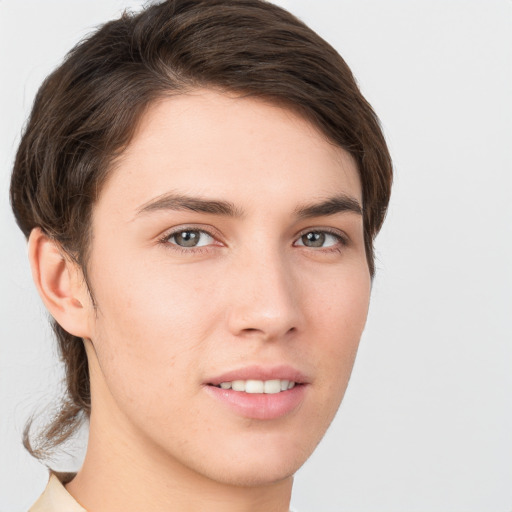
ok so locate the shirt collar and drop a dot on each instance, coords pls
(55, 498)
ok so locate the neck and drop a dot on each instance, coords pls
(110, 483)
(113, 480)
(122, 471)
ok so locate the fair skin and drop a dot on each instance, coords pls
(227, 246)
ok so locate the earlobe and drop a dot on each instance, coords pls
(60, 283)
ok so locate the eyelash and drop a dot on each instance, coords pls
(165, 240)
(341, 238)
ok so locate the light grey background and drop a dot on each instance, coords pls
(426, 425)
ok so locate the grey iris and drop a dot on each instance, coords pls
(187, 238)
(313, 239)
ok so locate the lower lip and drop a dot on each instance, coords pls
(260, 406)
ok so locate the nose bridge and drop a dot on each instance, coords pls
(266, 300)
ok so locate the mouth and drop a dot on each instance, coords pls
(259, 392)
(253, 386)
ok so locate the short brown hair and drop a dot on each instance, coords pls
(87, 110)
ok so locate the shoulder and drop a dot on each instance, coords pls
(55, 498)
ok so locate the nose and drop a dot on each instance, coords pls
(266, 297)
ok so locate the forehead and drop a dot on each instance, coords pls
(244, 150)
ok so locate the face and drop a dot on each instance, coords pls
(231, 284)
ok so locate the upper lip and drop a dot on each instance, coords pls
(260, 372)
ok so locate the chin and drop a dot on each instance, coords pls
(255, 473)
(262, 462)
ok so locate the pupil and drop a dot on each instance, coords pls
(313, 239)
(187, 238)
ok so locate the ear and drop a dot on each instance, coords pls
(60, 284)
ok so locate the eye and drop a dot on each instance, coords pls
(190, 238)
(320, 239)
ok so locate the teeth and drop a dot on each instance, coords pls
(272, 386)
(238, 385)
(259, 386)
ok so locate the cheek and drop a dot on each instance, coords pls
(149, 325)
(151, 300)
(339, 304)
(339, 315)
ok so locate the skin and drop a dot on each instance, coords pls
(166, 319)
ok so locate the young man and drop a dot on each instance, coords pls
(200, 185)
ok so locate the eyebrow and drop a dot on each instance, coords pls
(178, 202)
(195, 204)
(337, 204)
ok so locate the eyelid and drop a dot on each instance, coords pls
(208, 230)
(340, 235)
(213, 233)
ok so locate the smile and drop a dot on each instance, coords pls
(259, 386)
(260, 392)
